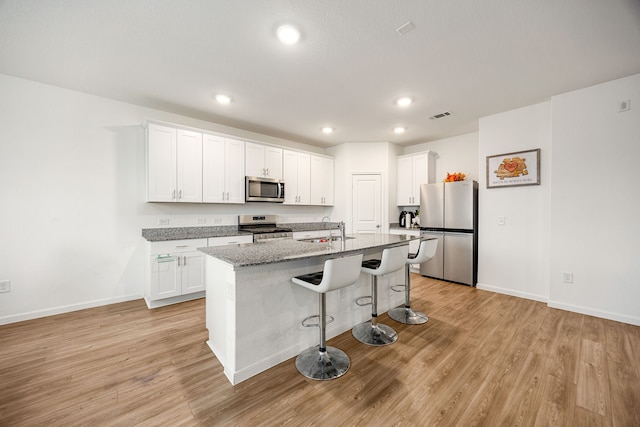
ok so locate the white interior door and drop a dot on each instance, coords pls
(367, 203)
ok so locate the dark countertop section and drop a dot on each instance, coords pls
(270, 252)
(180, 233)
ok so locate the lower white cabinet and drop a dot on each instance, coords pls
(175, 272)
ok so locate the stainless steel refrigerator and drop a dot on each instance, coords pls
(449, 212)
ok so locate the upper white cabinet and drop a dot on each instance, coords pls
(412, 171)
(322, 181)
(174, 164)
(263, 160)
(222, 170)
(297, 178)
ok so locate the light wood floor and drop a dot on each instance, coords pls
(482, 359)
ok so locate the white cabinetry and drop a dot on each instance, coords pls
(223, 170)
(174, 164)
(297, 178)
(321, 181)
(412, 171)
(263, 160)
(175, 272)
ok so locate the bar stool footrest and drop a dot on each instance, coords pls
(363, 304)
(306, 324)
(398, 288)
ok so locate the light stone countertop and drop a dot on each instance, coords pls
(270, 252)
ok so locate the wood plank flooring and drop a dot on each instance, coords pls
(483, 359)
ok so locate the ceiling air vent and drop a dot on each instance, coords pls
(441, 115)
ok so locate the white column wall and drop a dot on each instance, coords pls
(514, 258)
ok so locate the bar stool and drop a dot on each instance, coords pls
(426, 251)
(372, 332)
(323, 362)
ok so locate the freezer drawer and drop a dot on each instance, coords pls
(458, 258)
(435, 266)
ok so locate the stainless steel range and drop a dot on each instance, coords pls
(263, 227)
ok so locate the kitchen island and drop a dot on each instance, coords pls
(254, 311)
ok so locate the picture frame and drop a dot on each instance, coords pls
(515, 169)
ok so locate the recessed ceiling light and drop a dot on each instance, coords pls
(327, 130)
(405, 101)
(288, 34)
(399, 129)
(223, 99)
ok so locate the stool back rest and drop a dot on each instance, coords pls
(393, 259)
(340, 272)
(426, 251)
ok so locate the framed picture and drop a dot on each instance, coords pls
(514, 169)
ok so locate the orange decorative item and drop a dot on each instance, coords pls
(452, 177)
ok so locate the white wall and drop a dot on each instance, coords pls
(455, 154)
(595, 204)
(365, 158)
(513, 258)
(72, 198)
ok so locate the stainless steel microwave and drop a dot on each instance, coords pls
(261, 189)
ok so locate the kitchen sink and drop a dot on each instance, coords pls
(324, 239)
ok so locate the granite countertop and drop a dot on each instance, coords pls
(270, 252)
(180, 233)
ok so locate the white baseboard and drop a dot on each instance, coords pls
(66, 309)
(511, 292)
(596, 313)
(174, 300)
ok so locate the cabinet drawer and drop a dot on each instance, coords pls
(172, 246)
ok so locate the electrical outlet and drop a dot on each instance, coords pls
(163, 221)
(500, 220)
(5, 286)
(567, 277)
(202, 221)
(217, 220)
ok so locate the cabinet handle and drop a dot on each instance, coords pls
(178, 261)
(267, 171)
(181, 246)
(227, 195)
(185, 261)
(180, 195)
(173, 195)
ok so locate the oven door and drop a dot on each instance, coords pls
(260, 189)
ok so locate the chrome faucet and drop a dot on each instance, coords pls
(330, 235)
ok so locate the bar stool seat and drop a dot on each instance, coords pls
(322, 362)
(404, 314)
(372, 332)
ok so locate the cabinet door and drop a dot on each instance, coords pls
(254, 159)
(273, 162)
(304, 178)
(290, 175)
(161, 163)
(234, 170)
(189, 156)
(213, 169)
(165, 282)
(404, 191)
(192, 272)
(321, 181)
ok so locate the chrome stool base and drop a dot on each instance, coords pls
(377, 335)
(323, 365)
(407, 316)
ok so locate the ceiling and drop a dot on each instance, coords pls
(472, 58)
